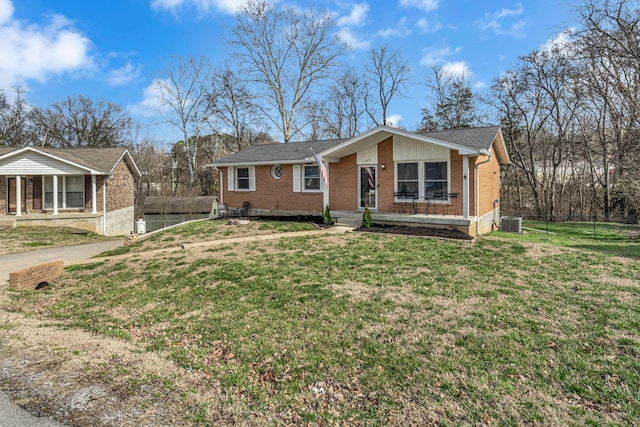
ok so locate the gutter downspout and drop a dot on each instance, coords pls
(477, 189)
(220, 192)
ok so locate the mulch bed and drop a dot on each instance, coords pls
(415, 231)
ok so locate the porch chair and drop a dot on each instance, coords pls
(453, 203)
(244, 210)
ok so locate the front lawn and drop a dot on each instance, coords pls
(372, 329)
(25, 239)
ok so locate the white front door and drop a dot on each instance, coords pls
(368, 184)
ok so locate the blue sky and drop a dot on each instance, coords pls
(114, 49)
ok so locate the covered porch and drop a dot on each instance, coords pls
(456, 222)
(91, 222)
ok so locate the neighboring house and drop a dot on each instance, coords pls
(160, 212)
(446, 179)
(89, 188)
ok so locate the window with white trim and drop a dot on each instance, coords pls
(242, 179)
(407, 178)
(435, 178)
(311, 178)
(70, 192)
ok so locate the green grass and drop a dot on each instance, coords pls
(375, 330)
(24, 239)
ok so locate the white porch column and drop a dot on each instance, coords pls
(18, 196)
(93, 194)
(55, 194)
(465, 187)
(325, 189)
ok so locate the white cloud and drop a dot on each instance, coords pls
(6, 10)
(357, 16)
(562, 41)
(496, 22)
(394, 120)
(352, 40)
(33, 52)
(425, 27)
(224, 6)
(434, 56)
(151, 103)
(458, 69)
(425, 5)
(124, 75)
(503, 13)
(400, 30)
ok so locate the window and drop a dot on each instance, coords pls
(276, 171)
(242, 179)
(74, 187)
(407, 177)
(70, 192)
(422, 178)
(435, 178)
(311, 178)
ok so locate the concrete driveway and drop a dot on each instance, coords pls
(12, 415)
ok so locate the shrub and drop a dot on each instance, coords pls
(326, 216)
(367, 221)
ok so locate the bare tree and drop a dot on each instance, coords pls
(347, 104)
(389, 74)
(288, 53)
(236, 112)
(187, 99)
(452, 102)
(80, 122)
(14, 119)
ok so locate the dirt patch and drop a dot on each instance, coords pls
(416, 231)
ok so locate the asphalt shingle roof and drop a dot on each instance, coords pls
(100, 159)
(293, 151)
(474, 138)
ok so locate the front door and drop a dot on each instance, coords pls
(12, 194)
(368, 184)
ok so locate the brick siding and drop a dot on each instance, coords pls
(28, 278)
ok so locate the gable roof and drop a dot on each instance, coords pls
(467, 141)
(96, 161)
(268, 154)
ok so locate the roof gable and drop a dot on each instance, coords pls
(467, 141)
(93, 161)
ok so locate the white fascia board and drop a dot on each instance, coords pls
(90, 171)
(387, 131)
(246, 164)
(132, 165)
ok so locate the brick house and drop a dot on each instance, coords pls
(89, 188)
(446, 179)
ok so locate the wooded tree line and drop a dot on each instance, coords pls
(569, 109)
(570, 115)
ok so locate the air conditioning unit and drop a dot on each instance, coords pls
(511, 224)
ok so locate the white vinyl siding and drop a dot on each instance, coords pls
(407, 150)
(30, 163)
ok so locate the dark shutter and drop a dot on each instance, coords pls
(87, 191)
